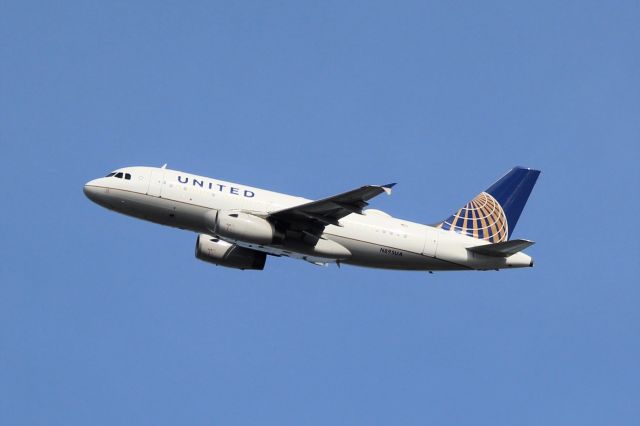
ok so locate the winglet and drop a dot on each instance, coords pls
(164, 166)
(387, 187)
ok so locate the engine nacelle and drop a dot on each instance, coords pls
(244, 227)
(222, 253)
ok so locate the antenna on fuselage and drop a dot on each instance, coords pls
(164, 166)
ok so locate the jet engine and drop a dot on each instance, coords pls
(222, 253)
(238, 226)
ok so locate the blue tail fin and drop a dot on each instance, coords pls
(493, 214)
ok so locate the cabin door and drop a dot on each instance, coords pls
(430, 242)
(156, 182)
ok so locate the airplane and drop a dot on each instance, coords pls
(239, 225)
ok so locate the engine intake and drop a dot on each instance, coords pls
(222, 253)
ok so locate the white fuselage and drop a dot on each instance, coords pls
(373, 239)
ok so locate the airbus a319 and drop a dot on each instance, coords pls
(238, 226)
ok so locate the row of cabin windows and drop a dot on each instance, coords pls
(120, 175)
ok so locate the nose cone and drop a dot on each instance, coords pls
(97, 191)
(91, 190)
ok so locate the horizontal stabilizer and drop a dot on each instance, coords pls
(503, 249)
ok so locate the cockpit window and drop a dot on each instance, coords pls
(120, 175)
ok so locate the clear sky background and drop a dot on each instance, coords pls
(109, 320)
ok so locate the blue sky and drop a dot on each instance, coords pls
(108, 320)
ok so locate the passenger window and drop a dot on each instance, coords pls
(127, 176)
(119, 175)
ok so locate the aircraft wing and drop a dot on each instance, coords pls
(328, 211)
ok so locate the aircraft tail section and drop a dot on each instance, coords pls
(503, 249)
(492, 215)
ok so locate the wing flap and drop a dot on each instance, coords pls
(503, 249)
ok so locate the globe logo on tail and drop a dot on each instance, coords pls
(481, 218)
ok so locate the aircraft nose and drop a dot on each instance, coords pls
(92, 190)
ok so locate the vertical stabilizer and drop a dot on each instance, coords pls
(492, 215)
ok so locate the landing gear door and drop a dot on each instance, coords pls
(155, 182)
